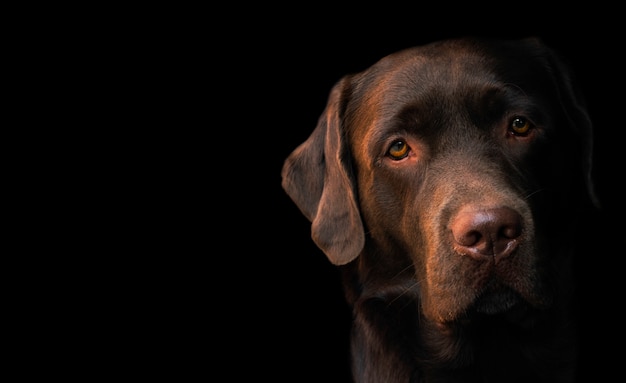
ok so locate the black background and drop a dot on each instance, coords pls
(192, 263)
(273, 307)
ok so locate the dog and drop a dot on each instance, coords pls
(449, 182)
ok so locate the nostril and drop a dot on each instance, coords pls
(467, 238)
(492, 231)
(512, 230)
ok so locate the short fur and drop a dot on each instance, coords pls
(447, 181)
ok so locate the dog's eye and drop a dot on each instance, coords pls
(520, 126)
(398, 150)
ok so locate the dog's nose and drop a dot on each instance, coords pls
(486, 232)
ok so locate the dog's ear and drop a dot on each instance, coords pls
(575, 110)
(317, 176)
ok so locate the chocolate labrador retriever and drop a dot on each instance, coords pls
(448, 181)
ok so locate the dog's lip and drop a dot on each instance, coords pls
(496, 298)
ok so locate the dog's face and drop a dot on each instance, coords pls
(458, 164)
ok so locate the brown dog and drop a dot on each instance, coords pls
(446, 180)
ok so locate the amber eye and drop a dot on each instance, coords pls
(398, 150)
(520, 126)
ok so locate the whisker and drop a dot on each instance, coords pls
(404, 292)
(533, 193)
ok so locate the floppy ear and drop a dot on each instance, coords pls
(317, 176)
(575, 110)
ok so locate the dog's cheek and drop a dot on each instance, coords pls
(387, 200)
(448, 282)
(402, 215)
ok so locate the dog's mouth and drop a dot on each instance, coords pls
(495, 299)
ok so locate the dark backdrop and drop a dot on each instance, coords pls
(197, 266)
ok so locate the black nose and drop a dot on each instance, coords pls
(486, 232)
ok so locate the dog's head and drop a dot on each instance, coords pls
(466, 160)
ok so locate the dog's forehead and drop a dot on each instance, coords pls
(446, 75)
(444, 68)
(455, 65)
(419, 78)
